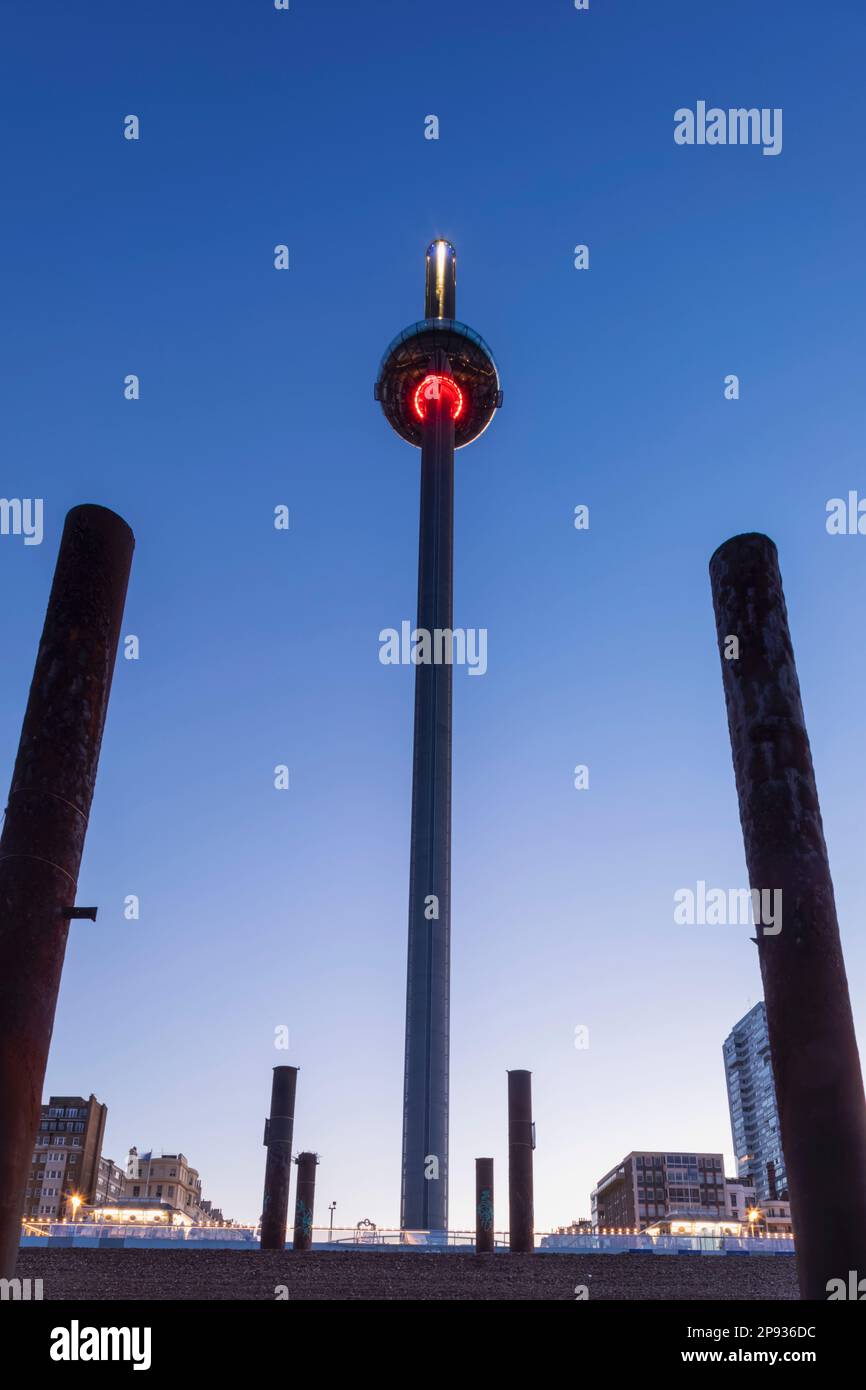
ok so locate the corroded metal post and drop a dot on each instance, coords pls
(305, 1201)
(46, 823)
(278, 1166)
(521, 1142)
(484, 1238)
(816, 1067)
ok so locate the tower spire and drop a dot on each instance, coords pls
(440, 298)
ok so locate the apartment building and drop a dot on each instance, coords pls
(753, 1107)
(65, 1157)
(110, 1183)
(649, 1186)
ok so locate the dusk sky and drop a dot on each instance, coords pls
(263, 908)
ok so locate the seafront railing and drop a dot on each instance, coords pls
(131, 1234)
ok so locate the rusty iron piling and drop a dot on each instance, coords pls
(305, 1201)
(484, 1238)
(279, 1128)
(521, 1142)
(46, 820)
(813, 1049)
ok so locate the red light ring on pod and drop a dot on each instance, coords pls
(442, 383)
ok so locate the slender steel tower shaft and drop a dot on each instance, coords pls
(425, 1095)
(439, 388)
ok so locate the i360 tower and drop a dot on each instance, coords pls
(438, 386)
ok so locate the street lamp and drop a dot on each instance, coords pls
(331, 1207)
(753, 1215)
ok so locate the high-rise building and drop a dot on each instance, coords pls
(649, 1186)
(439, 388)
(65, 1157)
(752, 1103)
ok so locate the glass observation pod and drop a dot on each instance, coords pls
(405, 365)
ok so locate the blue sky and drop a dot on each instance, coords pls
(261, 908)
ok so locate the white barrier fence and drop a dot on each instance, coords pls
(103, 1234)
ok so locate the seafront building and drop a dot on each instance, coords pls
(651, 1185)
(753, 1108)
(65, 1165)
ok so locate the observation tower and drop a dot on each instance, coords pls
(438, 387)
